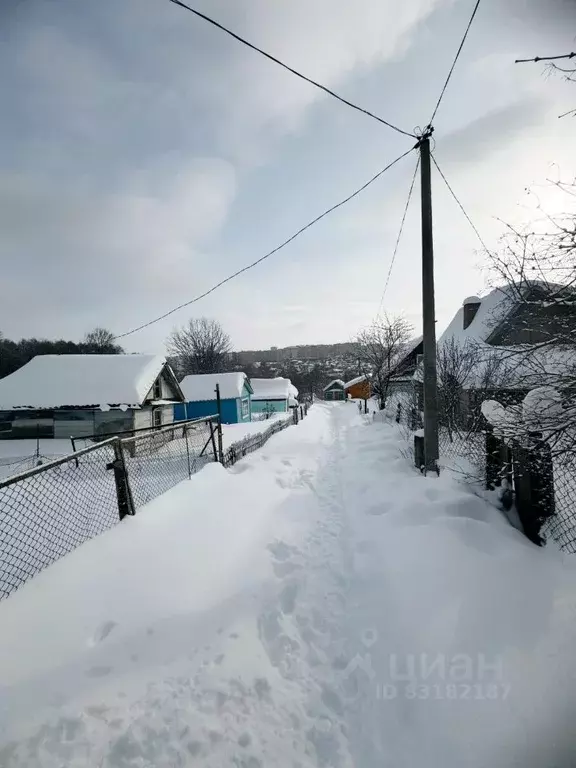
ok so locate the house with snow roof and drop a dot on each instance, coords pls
(358, 388)
(62, 396)
(516, 337)
(402, 377)
(200, 396)
(335, 390)
(276, 395)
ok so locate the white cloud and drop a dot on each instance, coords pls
(114, 250)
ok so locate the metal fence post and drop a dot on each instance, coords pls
(295, 415)
(187, 452)
(534, 486)
(74, 450)
(123, 490)
(213, 441)
(493, 455)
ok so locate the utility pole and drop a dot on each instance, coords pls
(428, 311)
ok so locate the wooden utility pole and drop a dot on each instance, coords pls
(428, 312)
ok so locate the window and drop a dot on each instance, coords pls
(157, 390)
(245, 408)
(157, 417)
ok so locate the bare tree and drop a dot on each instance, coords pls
(468, 373)
(379, 348)
(565, 69)
(537, 264)
(202, 346)
(101, 341)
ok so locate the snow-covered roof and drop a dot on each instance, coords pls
(57, 381)
(339, 382)
(521, 366)
(202, 386)
(273, 389)
(494, 307)
(357, 380)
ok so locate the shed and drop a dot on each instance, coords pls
(61, 396)
(335, 390)
(200, 395)
(272, 395)
(358, 388)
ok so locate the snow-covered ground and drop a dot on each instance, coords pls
(19, 455)
(319, 604)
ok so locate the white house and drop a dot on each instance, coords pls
(64, 396)
(273, 395)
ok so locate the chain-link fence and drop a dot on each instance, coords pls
(158, 460)
(49, 510)
(534, 472)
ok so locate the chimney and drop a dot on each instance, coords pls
(470, 306)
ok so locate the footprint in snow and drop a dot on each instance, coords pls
(102, 632)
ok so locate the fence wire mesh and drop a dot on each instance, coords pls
(156, 461)
(462, 449)
(49, 511)
(561, 527)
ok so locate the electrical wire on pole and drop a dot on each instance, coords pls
(478, 235)
(287, 67)
(458, 52)
(399, 236)
(430, 450)
(269, 254)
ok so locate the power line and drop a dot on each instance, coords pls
(270, 253)
(290, 69)
(399, 235)
(460, 204)
(458, 52)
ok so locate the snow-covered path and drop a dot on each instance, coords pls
(320, 604)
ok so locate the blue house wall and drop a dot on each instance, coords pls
(197, 410)
(232, 412)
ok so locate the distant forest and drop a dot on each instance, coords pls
(15, 354)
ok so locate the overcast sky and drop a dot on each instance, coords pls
(145, 155)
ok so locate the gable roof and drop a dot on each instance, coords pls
(357, 380)
(334, 381)
(58, 381)
(202, 386)
(402, 365)
(273, 389)
(493, 309)
(523, 365)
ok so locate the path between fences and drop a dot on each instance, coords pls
(49, 510)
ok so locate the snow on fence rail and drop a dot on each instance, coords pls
(251, 443)
(50, 510)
